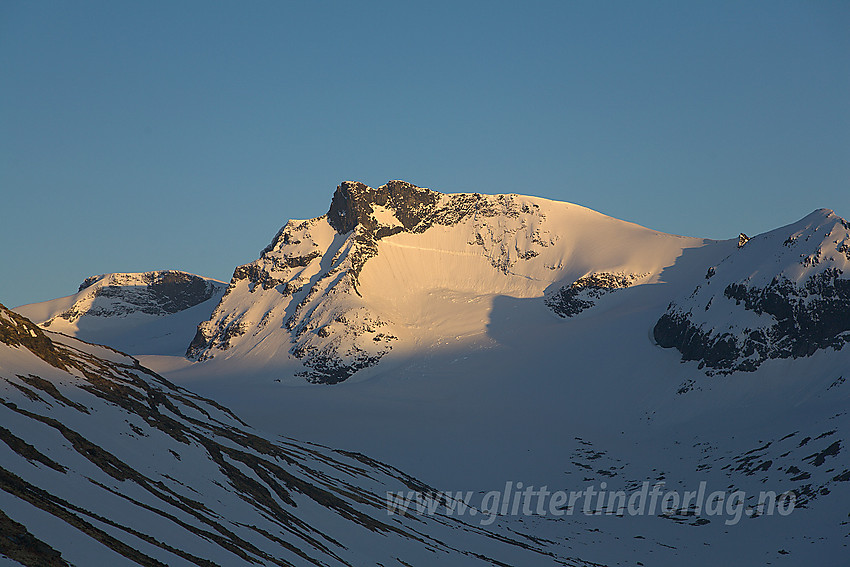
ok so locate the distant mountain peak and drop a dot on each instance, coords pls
(823, 212)
(154, 293)
(175, 285)
(128, 310)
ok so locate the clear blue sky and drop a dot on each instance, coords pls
(150, 135)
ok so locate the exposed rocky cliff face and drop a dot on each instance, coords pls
(303, 291)
(785, 294)
(355, 204)
(18, 331)
(398, 206)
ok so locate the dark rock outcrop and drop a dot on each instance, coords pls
(583, 293)
(352, 205)
(804, 319)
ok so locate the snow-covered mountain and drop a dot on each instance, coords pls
(103, 462)
(782, 294)
(149, 312)
(404, 268)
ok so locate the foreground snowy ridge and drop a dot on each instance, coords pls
(105, 462)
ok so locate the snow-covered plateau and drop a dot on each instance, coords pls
(474, 342)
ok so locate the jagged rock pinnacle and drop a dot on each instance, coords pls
(353, 204)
